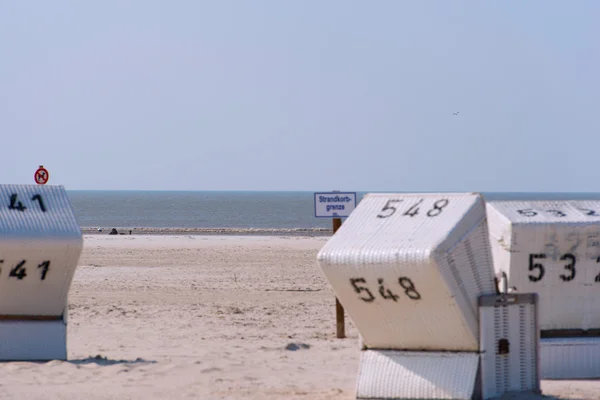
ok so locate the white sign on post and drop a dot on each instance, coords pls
(334, 204)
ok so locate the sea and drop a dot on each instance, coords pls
(225, 212)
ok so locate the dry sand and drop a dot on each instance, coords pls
(197, 317)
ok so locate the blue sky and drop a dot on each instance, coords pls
(302, 95)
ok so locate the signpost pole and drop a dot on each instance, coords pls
(336, 205)
(339, 309)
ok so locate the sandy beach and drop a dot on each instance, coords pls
(204, 317)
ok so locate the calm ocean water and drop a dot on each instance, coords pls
(259, 210)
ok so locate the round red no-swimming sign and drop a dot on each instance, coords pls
(41, 175)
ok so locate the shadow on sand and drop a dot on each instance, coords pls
(104, 361)
(98, 360)
(530, 396)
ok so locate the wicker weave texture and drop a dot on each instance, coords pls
(416, 375)
(551, 248)
(408, 269)
(570, 358)
(518, 369)
(40, 245)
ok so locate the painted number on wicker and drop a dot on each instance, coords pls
(539, 271)
(360, 286)
(16, 204)
(19, 271)
(392, 206)
(530, 212)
